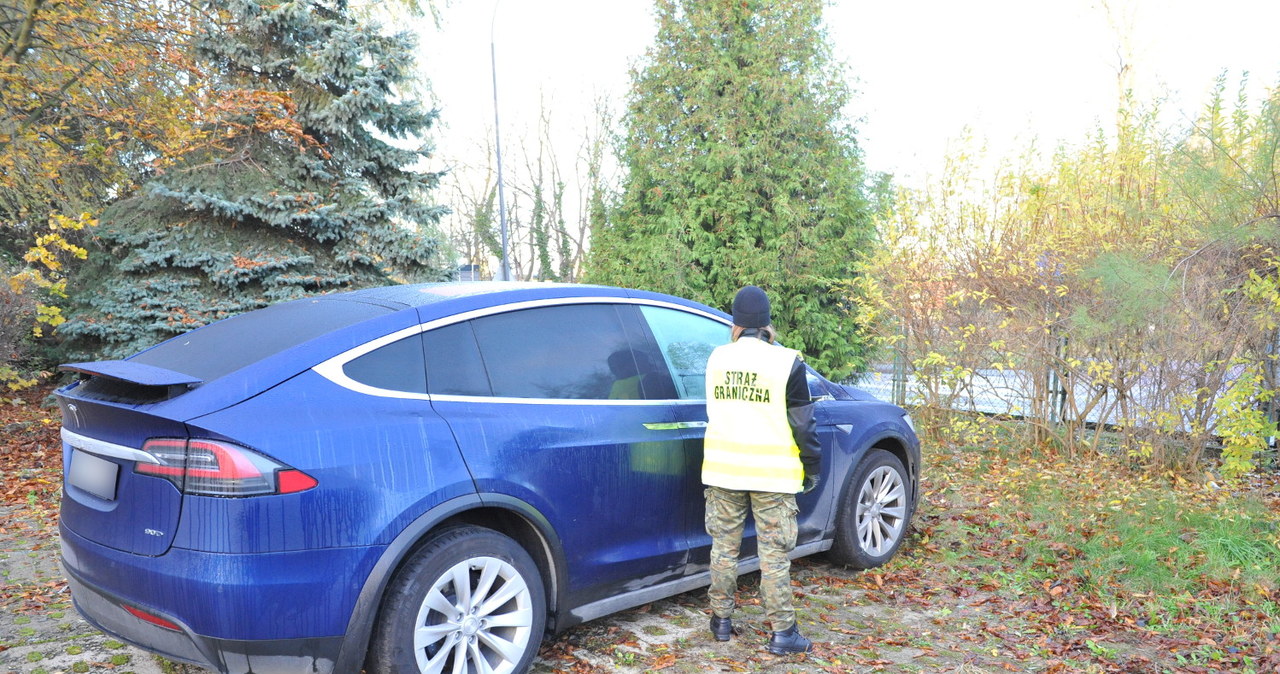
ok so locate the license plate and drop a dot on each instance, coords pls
(94, 475)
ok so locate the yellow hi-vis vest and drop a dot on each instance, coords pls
(749, 446)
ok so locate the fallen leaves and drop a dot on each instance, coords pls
(31, 466)
(986, 582)
(662, 662)
(1055, 588)
(32, 597)
(30, 449)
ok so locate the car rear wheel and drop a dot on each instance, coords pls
(872, 520)
(470, 600)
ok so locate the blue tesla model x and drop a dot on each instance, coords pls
(425, 478)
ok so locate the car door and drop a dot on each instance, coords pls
(685, 339)
(549, 405)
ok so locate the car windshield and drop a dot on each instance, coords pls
(226, 346)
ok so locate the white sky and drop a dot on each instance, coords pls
(923, 71)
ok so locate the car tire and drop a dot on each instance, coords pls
(467, 595)
(873, 513)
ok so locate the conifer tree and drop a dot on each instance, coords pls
(314, 199)
(742, 169)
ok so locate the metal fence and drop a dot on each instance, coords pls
(1008, 393)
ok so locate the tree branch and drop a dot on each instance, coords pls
(20, 40)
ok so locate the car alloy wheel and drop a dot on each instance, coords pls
(881, 511)
(874, 510)
(478, 612)
(470, 600)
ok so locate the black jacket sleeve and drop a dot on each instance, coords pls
(804, 427)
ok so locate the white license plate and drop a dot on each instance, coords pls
(94, 475)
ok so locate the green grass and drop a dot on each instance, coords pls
(1165, 547)
(623, 657)
(1094, 536)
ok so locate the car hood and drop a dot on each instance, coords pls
(859, 394)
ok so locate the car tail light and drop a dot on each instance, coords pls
(215, 468)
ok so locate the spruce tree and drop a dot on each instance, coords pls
(311, 196)
(742, 169)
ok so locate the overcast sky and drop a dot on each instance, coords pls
(924, 70)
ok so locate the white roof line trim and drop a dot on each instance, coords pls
(332, 369)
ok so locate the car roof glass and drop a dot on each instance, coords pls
(228, 345)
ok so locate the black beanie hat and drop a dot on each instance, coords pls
(751, 308)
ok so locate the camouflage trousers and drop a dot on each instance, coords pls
(775, 516)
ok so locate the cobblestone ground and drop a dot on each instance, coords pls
(40, 632)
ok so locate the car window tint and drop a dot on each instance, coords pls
(685, 341)
(652, 377)
(555, 352)
(398, 366)
(223, 347)
(453, 362)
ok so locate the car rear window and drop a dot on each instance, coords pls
(398, 366)
(228, 345)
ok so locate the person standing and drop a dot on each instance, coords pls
(761, 448)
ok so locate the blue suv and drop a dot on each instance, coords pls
(424, 478)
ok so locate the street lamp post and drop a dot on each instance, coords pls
(505, 273)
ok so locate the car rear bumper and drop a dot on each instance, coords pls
(220, 604)
(107, 613)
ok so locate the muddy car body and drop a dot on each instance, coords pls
(415, 477)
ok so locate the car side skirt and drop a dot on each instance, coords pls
(611, 605)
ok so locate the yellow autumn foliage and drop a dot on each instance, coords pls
(1122, 299)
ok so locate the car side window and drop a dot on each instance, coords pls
(398, 366)
(454, 366)
(575, 351)
(686, 340)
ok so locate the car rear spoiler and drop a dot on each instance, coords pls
(124, 381)
(133, 373)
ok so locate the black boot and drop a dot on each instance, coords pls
(721, 628)
(789, 641)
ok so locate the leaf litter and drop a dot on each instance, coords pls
(984, 583)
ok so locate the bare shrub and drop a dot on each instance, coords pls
(1125, 301)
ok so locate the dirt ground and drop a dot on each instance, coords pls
(942, 605)
(39, 630)
(861, 622)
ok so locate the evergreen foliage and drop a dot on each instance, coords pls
(313, 199)
(741, 169)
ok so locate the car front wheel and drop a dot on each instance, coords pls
(872, 520)
(470, 600)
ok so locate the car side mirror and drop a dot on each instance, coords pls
(817, 391)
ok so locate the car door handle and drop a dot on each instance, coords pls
(674, 425)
